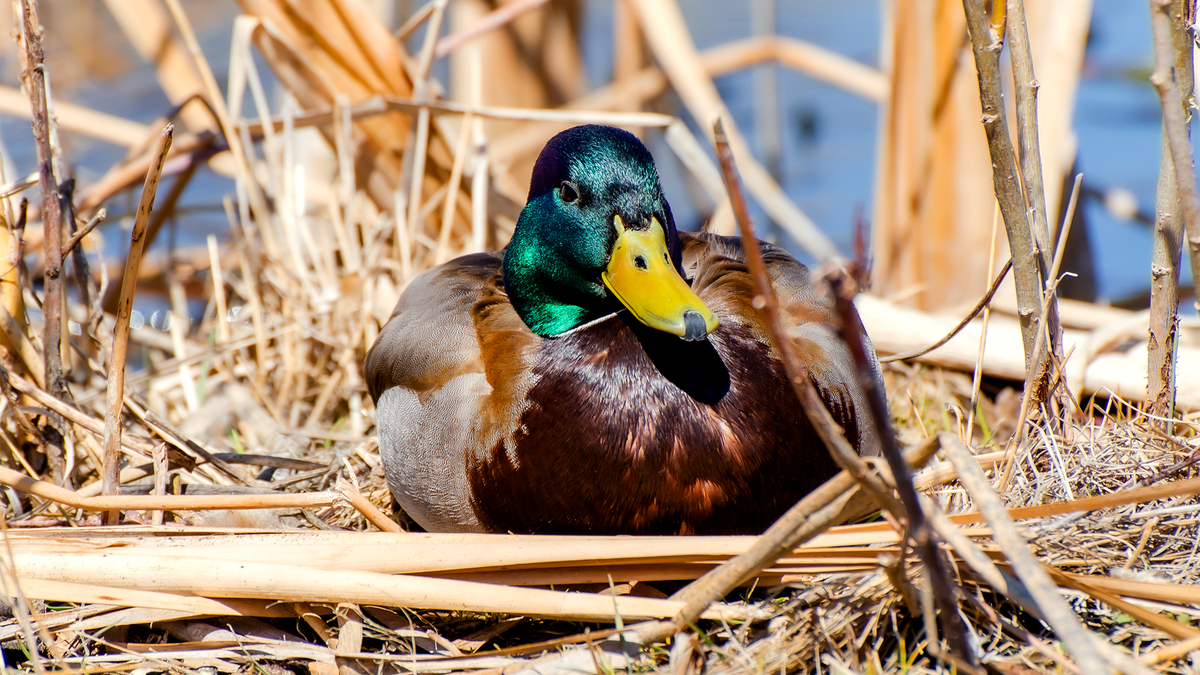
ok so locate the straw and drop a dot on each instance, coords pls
(120, 343)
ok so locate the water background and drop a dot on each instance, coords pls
(828, 136)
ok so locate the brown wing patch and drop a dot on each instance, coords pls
(430, 338)
(612, 445)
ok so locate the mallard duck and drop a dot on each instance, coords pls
(604, 373)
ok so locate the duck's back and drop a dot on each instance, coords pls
(614, 428)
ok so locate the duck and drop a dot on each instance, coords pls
(606, 373)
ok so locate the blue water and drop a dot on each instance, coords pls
(828, 136)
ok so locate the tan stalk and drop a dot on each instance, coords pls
(120, 344)
(1172, 37)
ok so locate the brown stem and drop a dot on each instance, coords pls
(83, 274)
(497, 18)
(986, 45)
(1170, 35)
(818, 414)
(919, 529)
(84, 231)
(120, 343)
(1031, 171)
(51, 226)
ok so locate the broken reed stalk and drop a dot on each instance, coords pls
(1079, 641)
(120, 344)
(292, 582)
(818, 414)
(52, 300)
(1028, 271)
(348, 491)
(1176, 209)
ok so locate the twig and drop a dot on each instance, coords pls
(161, 468)
(25, 350)
(414, 22)
(1043, 339)
(116, 374)
(218, 281)
(983, 302)
(25, 183)
(166, 207)
(1171, 652)
(412, 175)
(84, 231)
(977, 560)
(217, 103)
(451, 199)
(53, 297)
(479, 165)
(1178, 209)
(497, 18)
(818, 415)
(986, 45)
(1079, 640)
(83, 275)
(1027, 127)
(977, 375)
(919, 529)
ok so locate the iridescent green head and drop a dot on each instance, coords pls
(596, 233)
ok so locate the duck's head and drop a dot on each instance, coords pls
(596, 234)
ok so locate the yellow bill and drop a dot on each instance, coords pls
(642, 277)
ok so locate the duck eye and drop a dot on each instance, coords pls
(568, 192)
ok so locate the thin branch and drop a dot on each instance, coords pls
(823, 423)
(120, 343)
(1178, 208)
(84, 231)
(1026, 86)
(414, 22)
(51, 226)
(986, 44)
(983, 302)
(919, 529)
